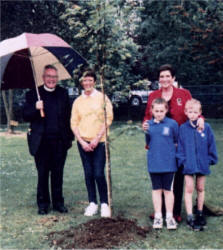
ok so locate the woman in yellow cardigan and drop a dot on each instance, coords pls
(88, 126)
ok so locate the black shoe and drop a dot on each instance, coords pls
(206, 211)
(60, 208)
(193, 224)
(201, 220)
(43, 211)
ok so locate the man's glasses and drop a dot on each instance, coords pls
(51, 77)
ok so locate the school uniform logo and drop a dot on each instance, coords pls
(179, 101)
(202, 134)
(166, 131)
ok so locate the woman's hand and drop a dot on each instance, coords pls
(200, 124)
(94, 143)
(86, 146)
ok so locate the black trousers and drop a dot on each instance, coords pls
(50, 160)
(178, 187)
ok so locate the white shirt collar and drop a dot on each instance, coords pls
(93, 93)
(48, 89)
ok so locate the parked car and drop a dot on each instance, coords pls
(135, 97)
(138, 97)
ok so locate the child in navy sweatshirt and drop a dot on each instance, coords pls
(196, 152)
(161, 137)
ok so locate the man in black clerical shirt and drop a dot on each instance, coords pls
(49, 138)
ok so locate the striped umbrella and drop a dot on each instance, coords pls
(24, 57)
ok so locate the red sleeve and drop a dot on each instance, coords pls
(148, 114)
(188, 95)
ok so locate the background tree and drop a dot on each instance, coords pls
(187, 34)
(99, 33)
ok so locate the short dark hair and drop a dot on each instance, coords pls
(167, 67)
(160, 101)
(90, 73)
(50, 66)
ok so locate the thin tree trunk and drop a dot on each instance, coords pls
(8, 108)
(107, 149)
(101, 58)
(5, 105)
(11, 104)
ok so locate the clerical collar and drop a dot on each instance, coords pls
(48, 89)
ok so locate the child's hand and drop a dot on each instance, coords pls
(145, 125)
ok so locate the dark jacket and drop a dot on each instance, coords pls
(196, 151)
(32, 115)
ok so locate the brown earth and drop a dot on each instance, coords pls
(13, 135)
(99, 233)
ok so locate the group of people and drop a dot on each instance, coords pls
(173, 151)
(181, 146)
(50, 137)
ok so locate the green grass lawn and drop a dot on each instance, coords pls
(22, 228)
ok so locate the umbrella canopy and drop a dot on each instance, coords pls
(24, 57)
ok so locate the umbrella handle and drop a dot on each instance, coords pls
(42, 113)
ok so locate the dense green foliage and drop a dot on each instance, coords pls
(100, 32)
(32, 16)
(130, 38)
(187, 34)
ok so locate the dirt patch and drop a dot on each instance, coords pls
(14, 134)
(50, 221)
(99, 233)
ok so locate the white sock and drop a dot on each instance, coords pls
(158, 215)
(169, 215)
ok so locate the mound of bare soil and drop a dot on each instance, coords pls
(99, 233)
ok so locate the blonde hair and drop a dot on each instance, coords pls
(160, 101)
(191, 103)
